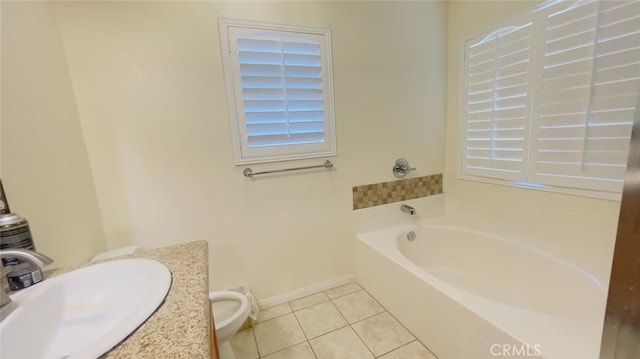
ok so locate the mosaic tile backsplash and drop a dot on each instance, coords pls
(371, 195)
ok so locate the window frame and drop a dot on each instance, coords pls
(242, 153)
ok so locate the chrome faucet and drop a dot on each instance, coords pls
(408, 209)
(35, 258)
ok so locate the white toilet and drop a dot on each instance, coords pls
(230, 310)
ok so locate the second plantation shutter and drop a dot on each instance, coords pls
(589, 85)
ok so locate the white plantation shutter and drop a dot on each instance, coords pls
(497, 102)
(282, 91)
(583, 82)
(590, 82)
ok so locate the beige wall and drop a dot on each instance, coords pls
(133, 136)
(471, 18)
(150, 93)
(1, 91)
(45, 167)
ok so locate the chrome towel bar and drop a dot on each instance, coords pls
(248, 172)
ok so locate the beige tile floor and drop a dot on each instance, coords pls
(341, 323)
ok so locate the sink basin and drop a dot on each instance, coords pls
(84, 313)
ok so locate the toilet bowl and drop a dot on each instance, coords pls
(230, 310)
(115, 253)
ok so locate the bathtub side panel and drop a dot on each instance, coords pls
(445, 327)
(404, 297)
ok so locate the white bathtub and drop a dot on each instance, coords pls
(470, 294)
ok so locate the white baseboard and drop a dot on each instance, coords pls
(305, 291)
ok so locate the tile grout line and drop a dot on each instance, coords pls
(369, 317)
(399, 322)
(299, 325)
(342, 295)
(278, 316)
(373, 315)
(315, 355)
(291, 308)
(293, 345)
(308, 341)
(394, 349)
(339, 312)
(393, 316)
(331, 331)
(365, 318)
(290, 346)
(350, 325)
(363, 342)
(283, 349)
(255, 340)
(341, 316)
(306, 338)
(310, 295)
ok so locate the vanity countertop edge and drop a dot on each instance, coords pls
(180, 327)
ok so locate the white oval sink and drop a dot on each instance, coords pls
(83, 313)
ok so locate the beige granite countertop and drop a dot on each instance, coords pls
(180, 326)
